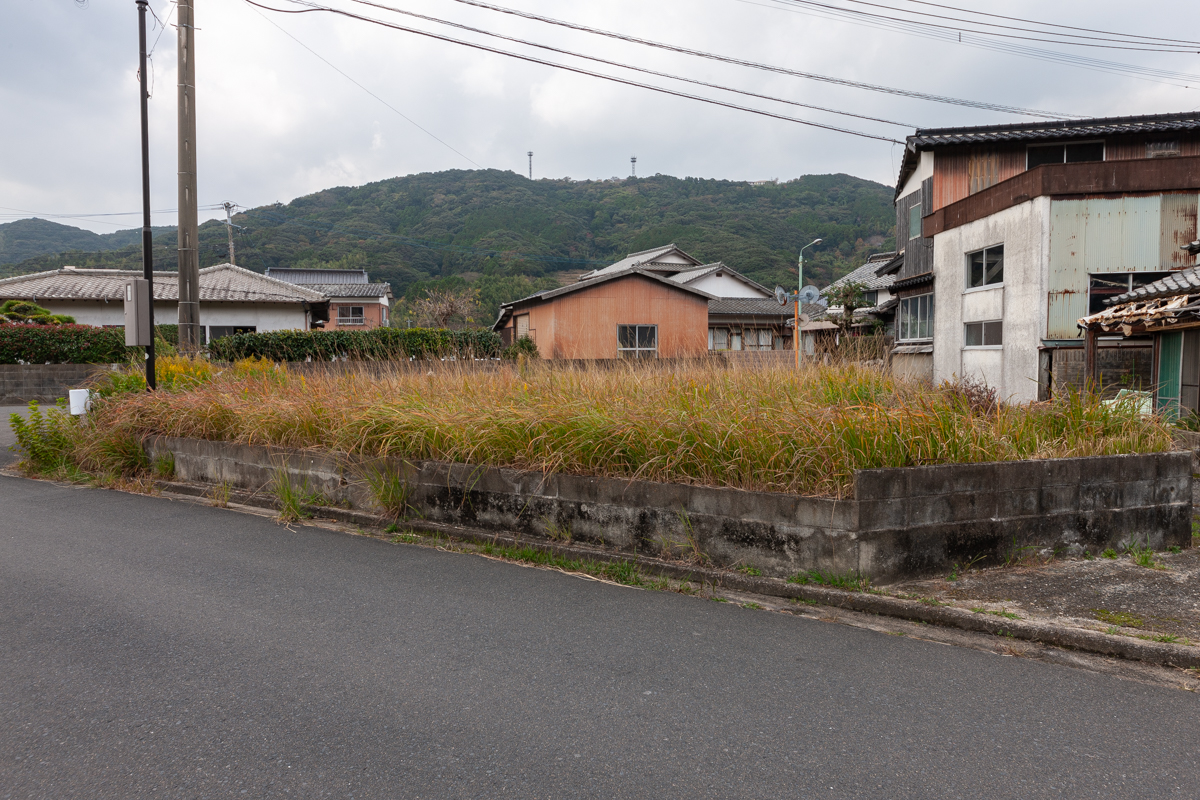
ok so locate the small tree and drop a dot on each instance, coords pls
(454, 308)
(851, 297)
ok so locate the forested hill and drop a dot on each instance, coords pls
(506, 234)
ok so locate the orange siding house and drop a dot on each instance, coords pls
(629, 314)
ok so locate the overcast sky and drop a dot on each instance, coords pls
(276, 122)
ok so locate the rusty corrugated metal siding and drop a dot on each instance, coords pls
(1111, 235)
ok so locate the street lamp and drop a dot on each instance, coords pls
(800, 288)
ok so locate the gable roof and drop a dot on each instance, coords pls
(351, 289)
(648, 258)
(709, 269)
(868, 275)
(220, 283)
(549, 294)
(1046, 131)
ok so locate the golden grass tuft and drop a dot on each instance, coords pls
(766, 428)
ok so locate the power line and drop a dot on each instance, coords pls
(631, 67)
(1152, 75)
(662, 90)
(359, 85)
(1029, 112)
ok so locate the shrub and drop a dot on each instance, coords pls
(521, 347)
(25, 311)
(62, 344)
(379, 344)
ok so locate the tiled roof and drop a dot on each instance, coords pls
(694, 274)
(351, 289)
(1185, 281)
(866, 275)
(751, 306)
(646, 258)
(1057, 129)
(322, 277)
(221, 283)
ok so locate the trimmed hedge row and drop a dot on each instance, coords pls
(378, 344)
(62, 344)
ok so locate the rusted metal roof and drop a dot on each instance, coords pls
(222, 283)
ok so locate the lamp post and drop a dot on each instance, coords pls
(799, 287)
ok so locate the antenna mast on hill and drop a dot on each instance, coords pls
(633, 166)
(530, 165)
(229, 207)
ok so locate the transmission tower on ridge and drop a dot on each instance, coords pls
(530, 165)
(633, 165)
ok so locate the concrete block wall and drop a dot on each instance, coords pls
(45, 383)
(898, 523)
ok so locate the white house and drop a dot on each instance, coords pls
(232, 299)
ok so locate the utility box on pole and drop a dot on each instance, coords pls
(137, 313)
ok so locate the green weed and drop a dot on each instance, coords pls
(1174, 549)
(850, 581)
(1118, 618)
(559, 533)
(756, 606)
(290, 498)
(218, 495)
(746, 569)
(390, 490)
(1109, 553)
(164, 465)
(623, 572)
(1143, 556)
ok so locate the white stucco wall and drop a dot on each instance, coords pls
(726, 286)
(1020, 300)
(924, 170)
(263, 316)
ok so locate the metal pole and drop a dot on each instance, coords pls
(147, 238)
(229, 228)
(189, 255)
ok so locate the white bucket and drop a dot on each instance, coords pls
(81, 401)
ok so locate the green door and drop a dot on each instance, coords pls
(1170, 363)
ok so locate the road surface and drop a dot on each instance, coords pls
(159, 648)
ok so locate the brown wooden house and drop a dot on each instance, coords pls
(630, 313)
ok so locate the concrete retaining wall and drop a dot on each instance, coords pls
(899, 523)
(45, 383)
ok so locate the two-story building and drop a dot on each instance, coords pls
(354, 301)
(1018, 231)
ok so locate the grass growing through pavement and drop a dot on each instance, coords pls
(761, 428)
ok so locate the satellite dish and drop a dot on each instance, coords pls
(781, 295)
(810, 294)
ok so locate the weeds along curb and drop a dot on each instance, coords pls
(914, 610)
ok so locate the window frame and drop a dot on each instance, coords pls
(914, 219)
(638, 350)
(984, 253)
(349, 318)
(905, 322)
(1064, 145)
(983, 335)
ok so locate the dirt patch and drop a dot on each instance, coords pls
(1114, 595)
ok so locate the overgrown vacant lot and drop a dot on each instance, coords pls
(769, 428)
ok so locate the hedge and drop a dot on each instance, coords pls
(378, 344)
(62, 344)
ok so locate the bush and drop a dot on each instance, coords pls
(62, 344)
(379, 344)
(521, 347)
(25, 311)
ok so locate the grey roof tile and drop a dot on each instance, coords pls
(221, 283)
(1185, 281)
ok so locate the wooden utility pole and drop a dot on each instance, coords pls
(229, 229)
(189, 255)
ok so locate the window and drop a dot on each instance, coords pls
(871, 298)
(637, 341)
(521, 327)
(914, 221)
(915, 320)
(217, 331)
(983, 170)
(1064, 153)
(757, 338)
(983, 334)
(718, 339)
(986, 267)
(351, 315)
(1162, 149)
(1106, 286)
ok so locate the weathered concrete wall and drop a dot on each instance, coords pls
(900, 522)
(45, 383)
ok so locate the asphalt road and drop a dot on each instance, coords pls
(153, 648)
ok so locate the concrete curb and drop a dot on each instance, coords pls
(1161, 653)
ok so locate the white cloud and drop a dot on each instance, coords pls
(275, 121)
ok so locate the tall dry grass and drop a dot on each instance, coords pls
(765, 427)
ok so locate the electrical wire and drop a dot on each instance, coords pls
(1028, 112)
(578, 70)
(1178, 48)
(331, 65)
(639, 69)
(1167, 77)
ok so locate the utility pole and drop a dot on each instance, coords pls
(633, 166)
(530, 165)
(229, 228)
(147, 236)
(189, 255)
